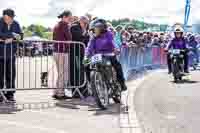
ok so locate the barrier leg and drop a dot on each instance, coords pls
(76, 90)
(3, 96)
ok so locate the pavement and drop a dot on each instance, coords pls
(163, 106)
(36, 112)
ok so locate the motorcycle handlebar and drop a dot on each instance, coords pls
(169, 51)
(109, 54)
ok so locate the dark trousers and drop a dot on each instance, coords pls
(196, 55)
(169, 61)
(8, 74)
(118, 68)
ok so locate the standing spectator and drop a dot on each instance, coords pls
(155, 41)
(9, 31)
(149, 39)
(75, 19)
(125, 37)
(89, 17)
(79, 32)
(161, 39)
(140, 40)
(130, 30)
(146, 40)
(118, 36)
(62, 33)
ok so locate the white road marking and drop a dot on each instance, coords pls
(130, 121)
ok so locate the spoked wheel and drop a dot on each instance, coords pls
(100, 90)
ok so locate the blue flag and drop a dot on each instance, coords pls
(187, 12)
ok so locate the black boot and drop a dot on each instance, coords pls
(123, 86)
(169, 72)
(186, 71)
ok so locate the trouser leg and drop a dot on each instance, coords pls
(186, 69)
(10, 75)
(120, 76)
(117, 66)
(61, 66)
(196, 55)
(169, 63)
(2, 73)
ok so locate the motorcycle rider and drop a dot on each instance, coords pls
(178, 42)
(102, 42)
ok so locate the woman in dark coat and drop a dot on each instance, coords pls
(79, 31)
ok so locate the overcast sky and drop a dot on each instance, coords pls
(157, 11)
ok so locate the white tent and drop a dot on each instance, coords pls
(38, 41)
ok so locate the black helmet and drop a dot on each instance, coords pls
(100, 23)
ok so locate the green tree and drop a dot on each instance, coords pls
(48, 35)
(138, 25)
(27, 33)
(163, 27)
(38, 30)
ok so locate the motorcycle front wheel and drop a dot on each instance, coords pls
(100, 90)
(175, 71)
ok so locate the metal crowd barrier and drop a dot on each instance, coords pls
(41, 65)
(136, 58)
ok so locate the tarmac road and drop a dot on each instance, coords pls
(165, 107)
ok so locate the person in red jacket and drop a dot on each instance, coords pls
(61, 54)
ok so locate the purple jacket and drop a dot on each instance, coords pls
(100, 45)
(178, 43)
